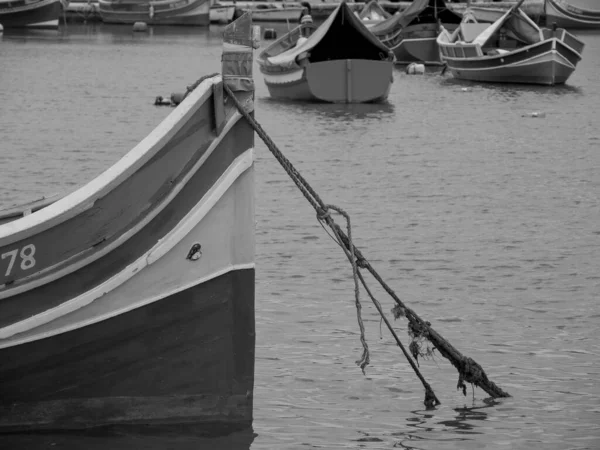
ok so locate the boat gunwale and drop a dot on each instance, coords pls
(84, 197)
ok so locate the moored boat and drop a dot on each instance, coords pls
(274, 11)
(130, 302)
(511, 50)
(222, 13)
(158, 12)
(339, 62)
(412, 34)
(573, 13)
(30, 13)
(373, 13)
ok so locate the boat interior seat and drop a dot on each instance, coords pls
(470, 30)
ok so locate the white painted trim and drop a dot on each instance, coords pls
(117, 312)
(525, 62)
(72, 204)
(18, 288)
(284, 78)
(208, 201)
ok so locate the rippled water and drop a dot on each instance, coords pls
(483, 219)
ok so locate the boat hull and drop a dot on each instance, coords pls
(222, 14)
(42, 14)
(186, 12)
(566, 16)
(416, 43)
(549, 62)
(291, 15)
(157, 328)
(337, 81)
(185, 359)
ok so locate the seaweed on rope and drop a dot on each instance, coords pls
(424, 339)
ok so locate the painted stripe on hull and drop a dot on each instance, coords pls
(194, 13)
(43, 15)
(24, 305)
(547, 72)
(222, 223)
(108, 209)
(188, 357)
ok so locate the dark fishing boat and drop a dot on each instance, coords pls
(130, 302)
(157, 12)
(573, 13)
(30, 13)
(338, 62)
(511, 50)
(412, 34)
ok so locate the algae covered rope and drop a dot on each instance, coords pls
(467, 368)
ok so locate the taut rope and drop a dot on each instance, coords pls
(467, 368)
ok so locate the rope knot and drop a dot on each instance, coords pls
(361, 262)
(323, 214)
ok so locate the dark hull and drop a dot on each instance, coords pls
(44, 15)
(336, 81)
(417, 43)
(188, 358)
(569, 17)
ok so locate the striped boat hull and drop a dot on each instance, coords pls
(566, 16)
(548, 62)
(130, 302)
(182, 12)
(41, 14)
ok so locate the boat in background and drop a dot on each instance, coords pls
(129, 303)
(412, 34)
(279, 11)
(373, 13)
(159, 12)
(573, 13)
(511, 50)
(30, 13)
(219, 13)
(338, 62)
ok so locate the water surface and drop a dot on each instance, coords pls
(483, 219)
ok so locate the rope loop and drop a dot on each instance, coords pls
(468, 369)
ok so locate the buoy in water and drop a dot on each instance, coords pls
(270, 33)
(140, 26)
(535, 114)
(415, 69)
(177, 98)
(161, 101)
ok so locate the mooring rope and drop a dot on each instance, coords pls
(467, 368)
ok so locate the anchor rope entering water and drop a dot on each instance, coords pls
(469, 370)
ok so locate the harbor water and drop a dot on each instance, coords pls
(478, 204)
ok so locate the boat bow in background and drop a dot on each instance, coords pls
(412, 34)
(573, 13)
(373, 13)
(130, 302)
(339, 62)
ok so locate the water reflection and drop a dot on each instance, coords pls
(424, 426)
(173, 440)
(338, 111)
